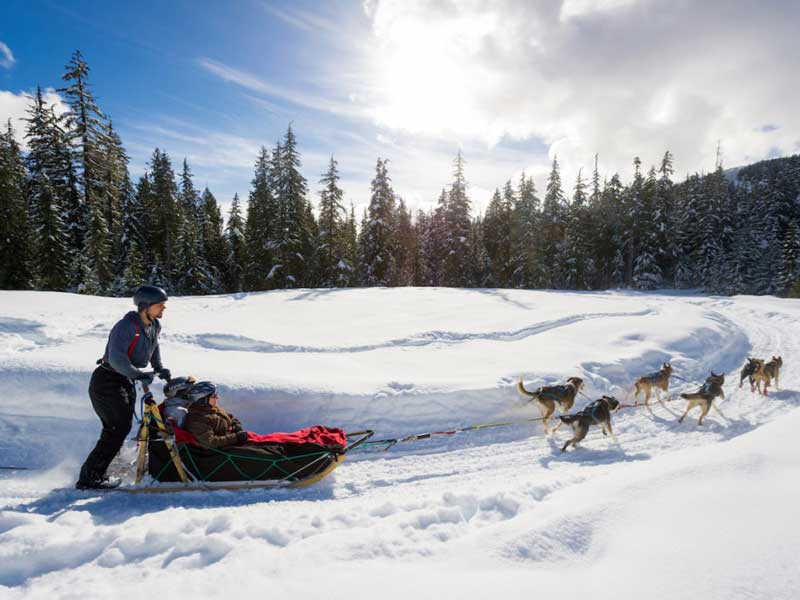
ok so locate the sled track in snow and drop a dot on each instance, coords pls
(236, 343)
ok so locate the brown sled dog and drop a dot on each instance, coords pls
(773, 370)
(749, 371)
(598, 412)
(546, 397)
(761, 378)
(704, 397)
(652, 383)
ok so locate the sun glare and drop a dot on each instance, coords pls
(424, 78)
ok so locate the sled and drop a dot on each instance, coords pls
(177, 462)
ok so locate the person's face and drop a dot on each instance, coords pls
(156, 311)
(213, 399)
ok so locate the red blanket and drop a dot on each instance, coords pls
(323, 436)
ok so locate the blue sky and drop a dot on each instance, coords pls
(512, 83)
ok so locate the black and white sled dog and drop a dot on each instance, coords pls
(596, 413)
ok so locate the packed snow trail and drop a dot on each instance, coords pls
(675, 510)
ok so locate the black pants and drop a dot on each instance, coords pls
(113, 397)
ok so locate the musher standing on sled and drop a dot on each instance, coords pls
(132, 344)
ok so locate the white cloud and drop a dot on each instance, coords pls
(7, 59)
(616, 77)
(14, 106)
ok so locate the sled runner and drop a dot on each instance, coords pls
(176, 461)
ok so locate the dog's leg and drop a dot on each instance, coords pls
(607, 427)
(647, 402)
(705, 410)
(689, 406)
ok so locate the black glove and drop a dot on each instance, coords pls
(236, 425)
(164, 375)
(146, 378)
(241, 437)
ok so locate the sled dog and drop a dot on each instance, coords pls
(773, 370)
(704, 397)
(598, 412)
(753, 366)
(548, 396)
(652, 383)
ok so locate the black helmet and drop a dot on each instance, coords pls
(147, 295)
(179, 387)
(201, 390)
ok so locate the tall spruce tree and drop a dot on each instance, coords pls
(237, 250)
(333, 267)
(293, 245)
(50, 252)
(457, 219)
(213, 239)
(525, 222)
(377, 242)
(88, 137)
(553, 227)
(261, 229)
(16, 267)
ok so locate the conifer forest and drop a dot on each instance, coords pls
(71, 219)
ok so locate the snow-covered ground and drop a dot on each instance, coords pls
(675, 511)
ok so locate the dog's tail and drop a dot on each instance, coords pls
(522, 389)
(569, 418)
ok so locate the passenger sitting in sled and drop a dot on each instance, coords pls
(176, 406)
(208, 422)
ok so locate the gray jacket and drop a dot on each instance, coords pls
(145, 351)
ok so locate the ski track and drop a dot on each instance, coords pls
(236, 343)
(401, 488)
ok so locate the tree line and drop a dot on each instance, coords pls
(71, 219)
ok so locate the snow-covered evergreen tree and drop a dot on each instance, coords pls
(332, 264)
(553, 228)
(213, 238)
(456, 268)
(16, 268)
(237, 248)
(377, 241)
(51, 254)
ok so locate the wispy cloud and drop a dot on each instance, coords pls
(285, 93)
(305, 20)
(7, 59)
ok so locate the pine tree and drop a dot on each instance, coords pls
(377, 241)
(213, 238)
(646, 270)
(134, 272)
(51, 257)
(456, 268)
(497, 236)
(333, 266)
(237, 250)
(116, 190)
(161, 206)
(293, 243)
(525, 222)
(578, 263)
(87, 136)
(350, 241)
(406, 253)
(435, 243)
(16, 268)
(191, 268)
(553, 228)
(260, 228)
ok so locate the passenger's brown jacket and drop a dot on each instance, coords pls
(211, 425)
